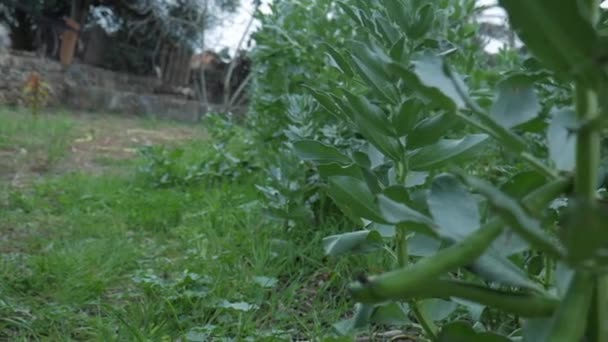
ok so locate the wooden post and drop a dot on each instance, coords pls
(69, 38)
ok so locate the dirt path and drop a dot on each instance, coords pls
(89, 143)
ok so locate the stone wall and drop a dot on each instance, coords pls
(88, 88)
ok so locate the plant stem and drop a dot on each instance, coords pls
(427, 324)
(587, 145)
(588, 154)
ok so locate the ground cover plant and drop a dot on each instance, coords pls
(141, 230)
(516, 255)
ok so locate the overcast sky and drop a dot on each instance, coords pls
(229, 34)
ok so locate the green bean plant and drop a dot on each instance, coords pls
(529, 248)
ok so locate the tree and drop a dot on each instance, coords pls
(145, 27)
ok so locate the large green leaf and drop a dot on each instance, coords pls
(363, 241)
(453, 208)
(556, 32)
(429, 78)
(393, 313)
(445, 151)
(430, 129)
(562, 141)
(422, 245)
(354, 194)
(517, 102)
(517, 218)
(396, 212)
(494, 267)
(438, 309)
(311, 150)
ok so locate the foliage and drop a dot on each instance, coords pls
(229, 159)
(282, 111)
(407, 87)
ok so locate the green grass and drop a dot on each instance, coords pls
(111, 258)
(42, 140)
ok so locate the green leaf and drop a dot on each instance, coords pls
(339, 60)
(388, 145)
(398, 13)
(556, 32)
(425, 17)
(333, 169)
(492, 266)
(422, 245)
(430, 129)
(522, 183)
(517, 102)
(239, 306)
(453, 208)
(398, 50)
(266, 281)
(360, 319)
(372, 65)
(438, 309)
(406, 116)
(318, 152)
(429, 78)
(396, 212)
(390, 314)
(415, 178)
(369, 114)
(350, 12)
(389, 33)
(354, 194)
(517, 218)
(562, 142)
(463, 332)
(326, 101)
(445, 151)
(363, 241)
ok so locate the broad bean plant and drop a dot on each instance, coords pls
(529, 247)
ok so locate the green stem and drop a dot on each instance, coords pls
(403, 260)
(587, 145)
(549, 266)
(602, 307)
(588, 154)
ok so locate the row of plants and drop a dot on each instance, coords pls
(484, 184)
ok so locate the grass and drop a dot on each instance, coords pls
(93, 254)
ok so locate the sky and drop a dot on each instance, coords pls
(233, 28)
(229, 34)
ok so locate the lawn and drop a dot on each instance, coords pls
(95, 246)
